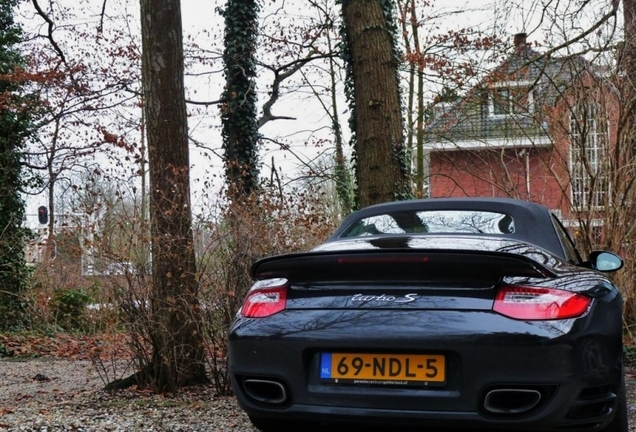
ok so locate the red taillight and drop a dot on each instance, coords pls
(530, 303)
(265, 298)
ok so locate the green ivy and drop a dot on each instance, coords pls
(400, 154)
(345, 53)
(238, 111)
(17, 116)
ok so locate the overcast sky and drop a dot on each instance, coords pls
(203, 25)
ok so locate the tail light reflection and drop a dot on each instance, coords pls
(265, 298)
(531, 303)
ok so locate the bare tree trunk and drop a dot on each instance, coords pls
(178, 356)
(381, 157)
(405, 8)
(419, 156)
(342, 174)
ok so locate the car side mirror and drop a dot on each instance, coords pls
(605, 261)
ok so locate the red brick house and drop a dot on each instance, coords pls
(536, 128)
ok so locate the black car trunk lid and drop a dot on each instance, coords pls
(405, 279)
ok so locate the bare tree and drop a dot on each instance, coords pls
(178, 357)
(84, 95)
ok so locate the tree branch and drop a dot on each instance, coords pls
(281, 74)
(216, 102)
(100, 29)
(50, 28)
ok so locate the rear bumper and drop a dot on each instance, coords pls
(575, 364)
(457, 421)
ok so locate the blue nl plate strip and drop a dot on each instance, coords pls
(325, 365)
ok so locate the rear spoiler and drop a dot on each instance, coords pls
(398, 265)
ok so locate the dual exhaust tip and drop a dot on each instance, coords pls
(511, 401)
(496, 401)
(266, 391)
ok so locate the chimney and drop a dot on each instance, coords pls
(520, 41)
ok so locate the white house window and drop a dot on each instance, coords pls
(589, 130)
(510, 99)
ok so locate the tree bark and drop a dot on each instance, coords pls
(178, 356)
(381, 157)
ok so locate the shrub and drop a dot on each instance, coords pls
(68, 307)
(268, 224)
(227, 245)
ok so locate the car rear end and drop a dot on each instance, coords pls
(433, 336)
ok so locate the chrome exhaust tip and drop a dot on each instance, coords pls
(511, 401)
(265, 391)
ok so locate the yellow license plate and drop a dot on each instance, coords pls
(383, 368)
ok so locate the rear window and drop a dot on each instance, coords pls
(432, 221)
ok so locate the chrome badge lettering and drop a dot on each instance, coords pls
(407, 298)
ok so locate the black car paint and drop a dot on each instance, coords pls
(565, 358)
(571, 354)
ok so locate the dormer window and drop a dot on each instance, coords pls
(507, 99)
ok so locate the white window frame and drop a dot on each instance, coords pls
(593, 153)
(510, 85)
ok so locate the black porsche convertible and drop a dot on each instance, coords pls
(470, 313)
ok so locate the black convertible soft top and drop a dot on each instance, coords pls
(534, 223)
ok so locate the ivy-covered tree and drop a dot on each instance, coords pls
(16, 119)
(238, 112)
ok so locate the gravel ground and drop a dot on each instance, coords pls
(60, 395)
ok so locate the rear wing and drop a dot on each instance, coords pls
(398, 266)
